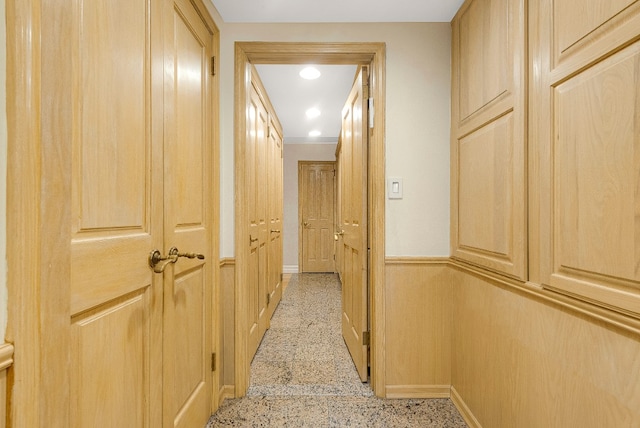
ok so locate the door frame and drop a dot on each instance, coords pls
(39, 136)
(372, 54)
(300, 227)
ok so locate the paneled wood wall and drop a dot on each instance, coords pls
(546, 313)
(418, 329)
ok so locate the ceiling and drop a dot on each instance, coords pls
(337, 10)
(291, 95)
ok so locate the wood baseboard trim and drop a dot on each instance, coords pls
(227, 261)
(464, 410)
(6, 356)
(227, 391)
(417, 391)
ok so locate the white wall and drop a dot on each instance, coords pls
(292, 154)
(417, 125)
(3, 172)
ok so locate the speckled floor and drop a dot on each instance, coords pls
(303, 376)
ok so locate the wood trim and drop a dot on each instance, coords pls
(530, 289)
(6, 356)
(226, 391)
(227, 261)
(373, 54)
(464, 410)
(418, 391)
(38, 209)
(402, 260)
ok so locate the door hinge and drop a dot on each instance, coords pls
(366, 338)
(371, 113)
(213, 362)
(268, 297)
(213, 65)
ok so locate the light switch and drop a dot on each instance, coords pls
(394, 188)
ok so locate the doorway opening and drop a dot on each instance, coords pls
(362, 54)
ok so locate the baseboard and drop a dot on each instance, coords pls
(417, 391)
(290, 269)
(464, 410)
(227, 391)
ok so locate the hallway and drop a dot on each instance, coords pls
(303, 376)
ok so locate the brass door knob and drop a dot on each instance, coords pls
(158, 262)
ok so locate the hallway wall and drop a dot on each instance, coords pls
(292, 154)
(417, 125)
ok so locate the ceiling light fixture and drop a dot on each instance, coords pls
(315, 134)
(310, 73)
(312, 113)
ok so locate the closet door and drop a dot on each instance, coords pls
(488, 171)
(276, 207)
(188, 217)
(115, 356)
(257, 183)
(585, 149)
(355, 141)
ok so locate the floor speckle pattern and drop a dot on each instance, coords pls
(303, 376)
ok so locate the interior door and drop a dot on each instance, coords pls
(187, 326)
(317, 209)
(274, 171)
(256, 156)
(115, 298)
(353, 164)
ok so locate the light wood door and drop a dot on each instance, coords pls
(115, 356)
(256, 170)
(276, 207)
(317, 208)
(584, 143)
(188, 221)
(353, 164)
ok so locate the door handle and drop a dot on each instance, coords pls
(158, 262)
(275, 231)
(340, 233)
(305, 224)
(252, 240)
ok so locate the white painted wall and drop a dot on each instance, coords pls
(417, 125)
(3, 171)
(292, 154)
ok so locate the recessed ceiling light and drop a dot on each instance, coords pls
(315, 134)
(312, 113)
(310, 73)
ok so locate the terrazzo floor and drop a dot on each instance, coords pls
(302, 374)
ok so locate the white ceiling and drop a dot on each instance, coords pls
(337, 10)
(290, 95)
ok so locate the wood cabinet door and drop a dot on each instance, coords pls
(317, 208)
(585, 140)
(353, 163)
(488, 163)
(115, 354)
(188, 217)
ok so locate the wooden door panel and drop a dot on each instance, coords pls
(258, 123)
(488, 142)
(584, 110)
(353, 166)
(484, 39)
(275, 198)
(596, 167)
(486, 188)
(575, 19)
(316, 190)
(110, 355)
(188, 221)
(116, 349)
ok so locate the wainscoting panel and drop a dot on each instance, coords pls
(418, 328)
(227, 363)
(518, 360)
